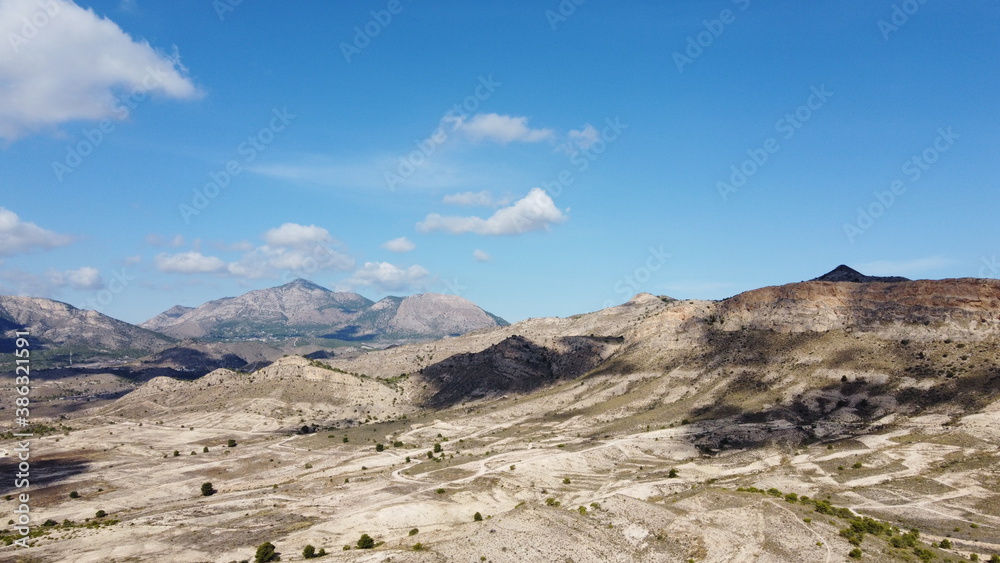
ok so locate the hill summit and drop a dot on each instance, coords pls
(844, 273)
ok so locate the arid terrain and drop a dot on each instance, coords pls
(765, 427)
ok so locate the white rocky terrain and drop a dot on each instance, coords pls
(795, 423)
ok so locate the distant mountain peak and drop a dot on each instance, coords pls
(844, 273)
(300, 283)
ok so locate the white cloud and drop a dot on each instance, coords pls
(534, 212)
(480, 256)
(475, 199)
(905, 267)
(18, 236)
(292, 248)
(388, 277)
(502, 129)
(132, 260)
(581, 139)
(189, 263)
(297, 236)
(81, 278)
(401, 244)
(62, 63)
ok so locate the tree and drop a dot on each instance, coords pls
(101, 514)
(230, 443)
(855, 553)
(672, 474)
(308, 552)
(477, 517)
(305, 430)
(74, 494)
(379, 447)
(204, 450)
(207, 490)
(437, 448)
(366, 542)
(265, 553)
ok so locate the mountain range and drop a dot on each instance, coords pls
(827, 420)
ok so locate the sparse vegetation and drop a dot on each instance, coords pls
(266, 552)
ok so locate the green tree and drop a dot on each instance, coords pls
(477, 517)
(207, 490)
(101, 514)
(437, 448)
(366, 542)
(74, 494)
(230, 443)
(379, 447)
(265, 553)
(855, 553)
(204, 450)
(308, 552)
(672, 474)
(414, 532)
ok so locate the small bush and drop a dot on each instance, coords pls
(101, 514)
(379, 448)
(672, 474)
(418, 546)
(308, 552)
(204, 450)
(855, 553)
(176, 453)
(477, 517)
(231, 443)
(207, 490)
(74, 494)
(437, 448)
(439, 491)
(265, 553)
(857, 465)
(414, 532)
(366, 542)
(566, 481)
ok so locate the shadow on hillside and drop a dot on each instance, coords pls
(43, 472)
(514, 365)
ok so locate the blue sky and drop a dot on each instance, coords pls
(538, 158)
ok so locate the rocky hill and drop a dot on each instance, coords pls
(844, 273)
(817, 421)
(60, 328)
(304, 309)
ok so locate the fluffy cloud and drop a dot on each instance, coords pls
(82, 278)
(63, 63)
(401, 244)
(502, 129)
(480, 256)
(534, 212)
(18, 236)
(297, 236)
(291, 248)
(189, 263)
(475, 199)
(388, 277)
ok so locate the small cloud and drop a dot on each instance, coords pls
(19, 237)
(77, 66)
(534, 212)
(401, 244)
(177, 241)
(85, 278)
(294, 235)
(502, 129)
(132, 260)
(581, 139)
(189, 263)
(480, 256)
(475, 199)
(388, 277)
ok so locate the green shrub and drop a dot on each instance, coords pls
(414, 532)
(366, 542)
(265, 553)
(231, 443)
(379, 448)
(437, 448)
(418, 546)
(308, 552)
(74, 494)
(477, 517)
(566, 481)
(672, 474)
(207, 490)
(101, 514)
(855, 553)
